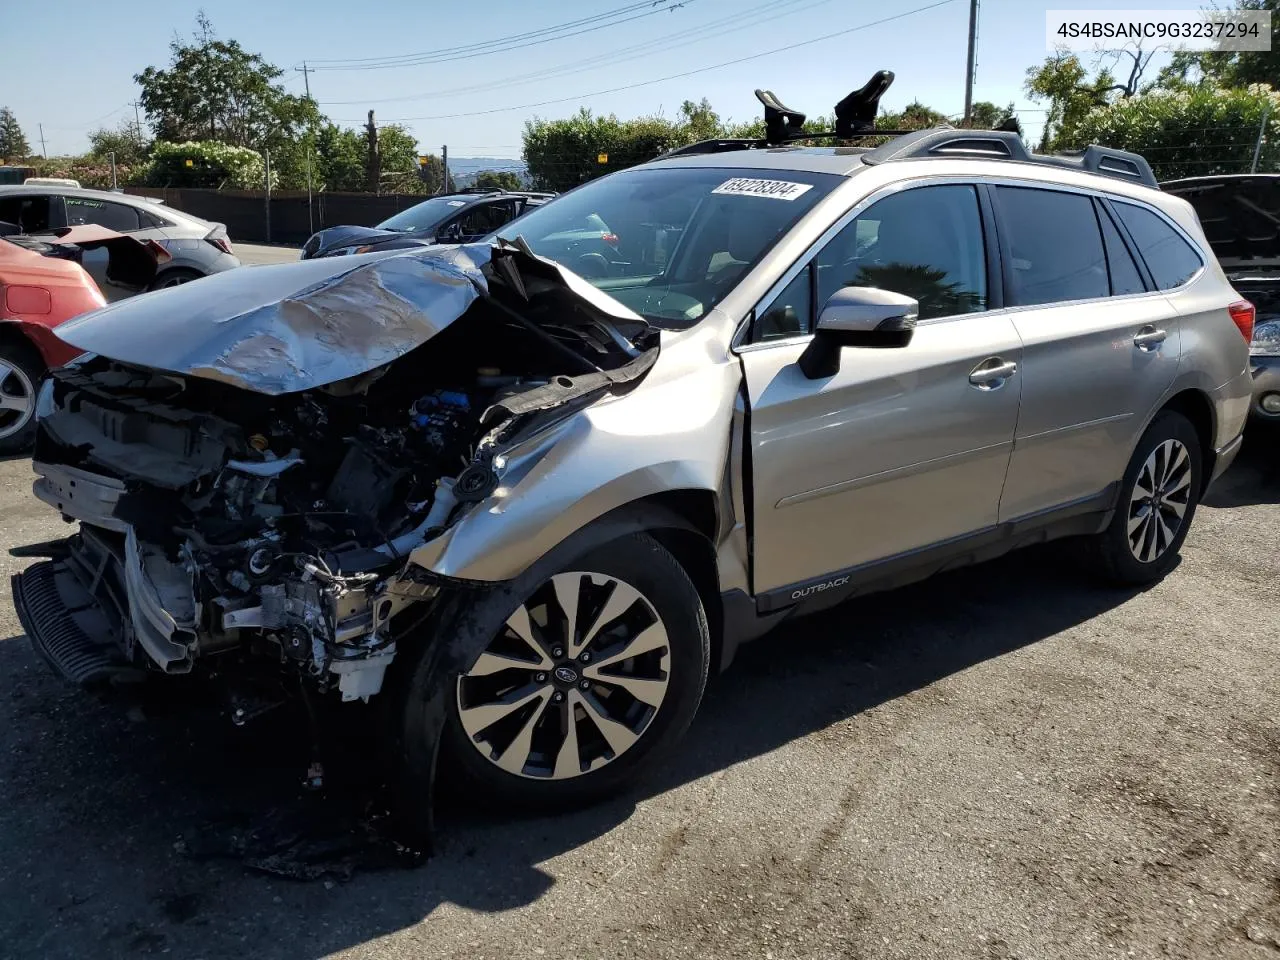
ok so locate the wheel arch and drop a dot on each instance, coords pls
(1195, 405)
(30, 336)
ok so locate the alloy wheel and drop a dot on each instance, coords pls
(17, 399)
(1159, 501)
(571, 682)
(175, 280)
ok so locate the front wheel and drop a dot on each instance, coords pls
(1158, 498)
(21, 371)
(596, 673)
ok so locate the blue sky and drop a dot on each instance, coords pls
(99, 46)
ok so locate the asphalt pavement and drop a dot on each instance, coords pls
(1006, 762)
(252, 253)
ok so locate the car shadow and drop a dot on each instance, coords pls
(1254, 477)
(98, 810)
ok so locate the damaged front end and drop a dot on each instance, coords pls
(251, 463)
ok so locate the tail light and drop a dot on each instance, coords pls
(1242, 315)
(610, 238)
(222, 243)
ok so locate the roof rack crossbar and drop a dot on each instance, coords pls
(1006, 145)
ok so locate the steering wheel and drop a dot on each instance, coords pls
(592, 265)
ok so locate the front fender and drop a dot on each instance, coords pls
(669, 433)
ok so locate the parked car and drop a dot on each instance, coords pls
(534, 510)
(43, 285)
(1241, 219)
(197, 248)
(452, 218)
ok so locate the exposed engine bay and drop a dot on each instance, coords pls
(217, 519)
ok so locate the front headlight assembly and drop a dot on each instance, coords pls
(1266, 340)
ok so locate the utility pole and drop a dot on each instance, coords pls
(311, 147)
(43, 152)
(266, 153)
(113, 171)
(444, 159)
(1262, 136)
(373, 160)
(306, 80)
(968, 77)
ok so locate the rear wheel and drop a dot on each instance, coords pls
(595, 674)
(1158, 499)
(175, 278)
(21, 370)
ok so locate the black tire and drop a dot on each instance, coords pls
(27, 361)
(1110, 552)
(175, 277)
(634, 559)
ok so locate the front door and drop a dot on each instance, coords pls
(902, 448)
(1099, 350)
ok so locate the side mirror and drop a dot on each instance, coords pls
(858, 317)
(450, 234)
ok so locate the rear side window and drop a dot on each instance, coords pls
(33, 214)
(1125, 277)
(1055, 246)
(1171, 260)
(113, 216)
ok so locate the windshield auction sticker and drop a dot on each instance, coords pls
(772, 189)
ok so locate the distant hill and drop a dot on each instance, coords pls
(464, 169)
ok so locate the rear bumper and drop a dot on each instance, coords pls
(1223, 458)
(1266, 379)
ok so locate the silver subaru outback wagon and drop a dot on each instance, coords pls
(529, 492)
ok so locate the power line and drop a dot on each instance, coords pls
(90, 123)
(675, 76)
(715, 28)
(514, 42)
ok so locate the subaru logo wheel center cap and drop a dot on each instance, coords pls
(566, 675)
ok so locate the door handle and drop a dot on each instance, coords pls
(992, 374)
(1149, 338)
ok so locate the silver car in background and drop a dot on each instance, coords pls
(532, 511)
(197, 247)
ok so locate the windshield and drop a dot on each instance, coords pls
(670, 242)
(423, 216)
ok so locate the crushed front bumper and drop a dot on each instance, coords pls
(72, 608)
(93, 609)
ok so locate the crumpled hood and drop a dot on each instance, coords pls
(296, 326)
(333, 238)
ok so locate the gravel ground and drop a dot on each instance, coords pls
(1006, 762)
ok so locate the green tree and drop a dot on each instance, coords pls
(1063, 81)
(216, 90)
(698, 122)
(1232, 69)
(13, 144)
(498, 180)
(1191, 131)
(206, 163)
(987, 116)
(123, 142)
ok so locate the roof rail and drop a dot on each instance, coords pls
(1005, 145)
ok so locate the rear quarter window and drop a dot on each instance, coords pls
(1171, 260)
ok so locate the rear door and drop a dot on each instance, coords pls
(119, 217)
(903, 448)
(1100, 346)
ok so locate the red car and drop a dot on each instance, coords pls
(42, 284)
